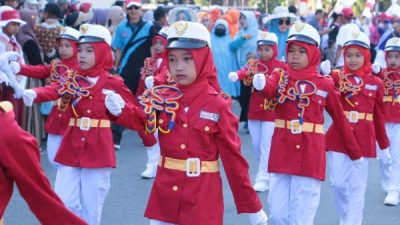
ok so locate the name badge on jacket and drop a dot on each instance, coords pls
(209, 116)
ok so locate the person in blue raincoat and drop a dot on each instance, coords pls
(244, 46)
(224, 58)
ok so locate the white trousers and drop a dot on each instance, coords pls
(391, 173)
(157, 222)
(293, 200)
(261, 135)
(53, 144)
(349, 185)
(83, 191)
(153, 154)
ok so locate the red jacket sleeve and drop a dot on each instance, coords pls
(235, 166)
(242, 73)
(271, 87)
(39, 71)
(47, 93)
(379, 118)
(335, 110)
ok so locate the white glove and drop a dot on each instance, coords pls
(149, 82)
(358, 162)
(376, 68)
(15, 67)
(4, 78)
(385, 157)
(19, 91)
(259, 81)
(114, 103)
(258, 218)
(233, 76)
(326, 67)
(28, 97)
(9, 56)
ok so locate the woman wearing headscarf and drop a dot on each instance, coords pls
(33, 121)
(234, 15)
(115, 16)
(244, 46)
(224, 58)
(279, 23)
(205, 19)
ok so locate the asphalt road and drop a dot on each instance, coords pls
(128, 196)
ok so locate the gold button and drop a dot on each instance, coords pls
(90, 97)
(175, 188)
(319, 102)
(261, 105)
(298, 146)
(160, 121)
(183, 146)
(207, 128)
(370, 94)
(59, 115)
(356, 103)
(185, 125)
(88, 111)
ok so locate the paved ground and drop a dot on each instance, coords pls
(128, 195)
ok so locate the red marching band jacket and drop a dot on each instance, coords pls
(260, 108)
(391, 95)
(88, 141)
(362, 101)
(58, 119)
(188, 186)
(300, 149)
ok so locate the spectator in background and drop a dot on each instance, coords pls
(76, 19)
(315, 20)
(204, 18)
(115, 16)
(233, 21)
(31, 5)
(33, 121)
(160, 18)
(224, 59)
(279, 23)
(12, 3)
(48, 31)
(244, 47)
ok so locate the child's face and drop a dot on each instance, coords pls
(182, 66)
(393, 59)
(11, 28)
(86, 56)
(354, 59)
(265, 52)
(158, 47)
(65, 49)
(297, 57)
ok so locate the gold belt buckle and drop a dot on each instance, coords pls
(192, 163)
(85, 123)
(296, 127)
(353, 116)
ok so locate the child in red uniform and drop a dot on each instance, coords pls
(391, 99)
(261, 115)
(361, 98)
(153, 73)
(20, 164)
(297, 159)
(86, 154)
(196, 127)
(58, 119)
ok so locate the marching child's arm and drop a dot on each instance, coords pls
(38, 71)
(335, 110)
(235, 166)
(379, 118)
